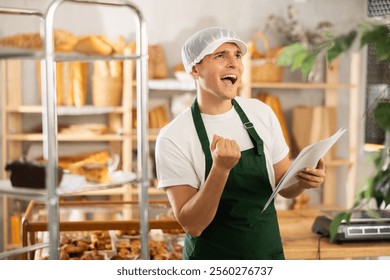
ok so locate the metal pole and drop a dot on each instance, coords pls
(50, 139)
(142, 139)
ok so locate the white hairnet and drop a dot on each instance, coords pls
(205, 42)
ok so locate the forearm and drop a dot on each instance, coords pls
(198, 212)
(308, 178)
(292, 191)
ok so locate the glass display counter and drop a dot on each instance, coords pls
(104, 230)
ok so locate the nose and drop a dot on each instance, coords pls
(233, 61)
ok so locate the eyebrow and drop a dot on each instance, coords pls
(225, 51)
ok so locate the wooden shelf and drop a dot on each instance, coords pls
(68, 110)
(152, 135)
(172, 84)
(66, 137)
(369, 147)
(302, 85)
(108, 191)
(337, 162)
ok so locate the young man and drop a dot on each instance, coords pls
(220, 159)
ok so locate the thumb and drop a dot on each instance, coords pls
(321, 164)
(213, 144)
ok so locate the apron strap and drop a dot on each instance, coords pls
(257, 142)
(202, 134)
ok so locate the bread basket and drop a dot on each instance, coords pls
(107, 83)
(263, 67)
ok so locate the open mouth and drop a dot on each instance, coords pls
(229, 79)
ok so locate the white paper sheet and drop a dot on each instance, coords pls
(308, 157)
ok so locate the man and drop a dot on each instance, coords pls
(220, 159)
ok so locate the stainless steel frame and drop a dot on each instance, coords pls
(49, 115)
(10, 53)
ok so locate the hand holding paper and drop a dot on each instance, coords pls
(308, 157)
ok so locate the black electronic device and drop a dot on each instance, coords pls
(363, 226)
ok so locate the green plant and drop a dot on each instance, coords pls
(302, 57)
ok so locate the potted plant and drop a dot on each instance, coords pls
(303, 57)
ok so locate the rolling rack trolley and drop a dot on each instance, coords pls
(47, 58)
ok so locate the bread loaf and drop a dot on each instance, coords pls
(274, 103)
(63, 40)
(157, 65)
(98, 45)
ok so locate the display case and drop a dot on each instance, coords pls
(88, 221)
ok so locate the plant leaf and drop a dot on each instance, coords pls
(288, 54)
(387, 195)
(298, 59)
(340, 44)
(382, 115)
(377, 34)
(334, 225)
(307, 64)
(373, 34)
(382, 48)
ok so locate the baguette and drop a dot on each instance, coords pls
(98, 45)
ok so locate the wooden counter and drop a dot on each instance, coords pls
(301, 243)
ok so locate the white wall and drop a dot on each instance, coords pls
(170, 22)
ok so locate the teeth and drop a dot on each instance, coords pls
(229, 76)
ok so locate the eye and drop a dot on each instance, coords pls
(219, 55)
(239, 55)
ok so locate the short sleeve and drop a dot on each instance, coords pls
(172, 166)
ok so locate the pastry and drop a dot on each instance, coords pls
(94, 167)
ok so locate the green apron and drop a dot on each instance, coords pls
(239, 230)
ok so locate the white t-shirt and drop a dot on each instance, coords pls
(179, 156)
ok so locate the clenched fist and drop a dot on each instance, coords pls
(225, 152)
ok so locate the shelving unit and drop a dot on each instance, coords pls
(330, 89)
(50, 112)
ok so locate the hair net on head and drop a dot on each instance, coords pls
(205, 42)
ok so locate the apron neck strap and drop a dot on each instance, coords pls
(256, 140)
(202, 134)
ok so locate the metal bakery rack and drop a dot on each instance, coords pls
(47, 58)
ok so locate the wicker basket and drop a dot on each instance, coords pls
(106, 91)
(263, 68)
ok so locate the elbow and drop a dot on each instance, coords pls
(191, 226)
(193, 232)
(192, 229)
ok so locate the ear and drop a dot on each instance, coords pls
(194, 72)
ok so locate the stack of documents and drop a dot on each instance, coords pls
(308, 157)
